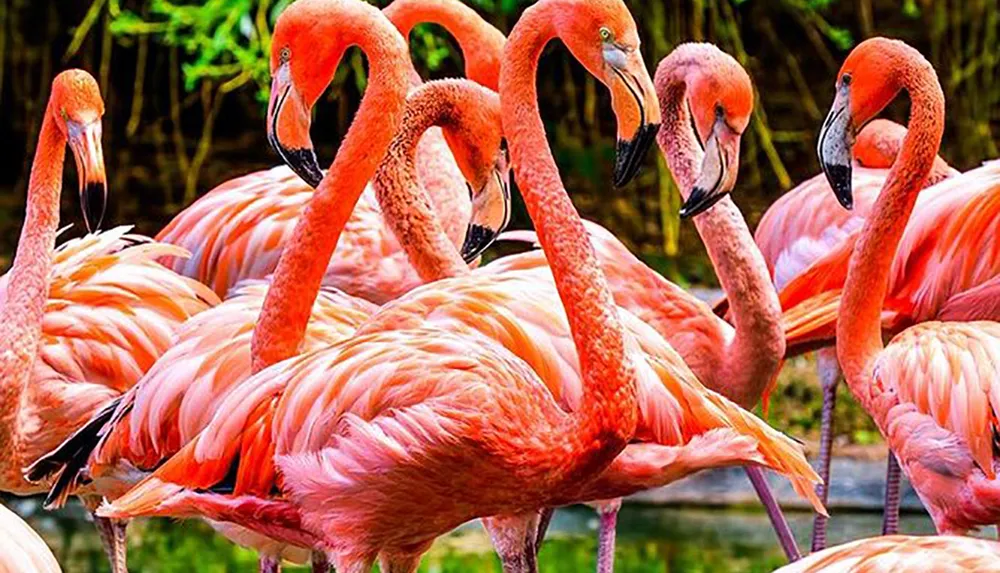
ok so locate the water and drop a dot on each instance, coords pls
(651, 539)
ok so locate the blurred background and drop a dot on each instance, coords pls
(186, 82)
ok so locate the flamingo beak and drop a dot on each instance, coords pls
(633, 98)
(836, 139)
(288, 122)
(719, 169)
(85, 142)
(490, 211)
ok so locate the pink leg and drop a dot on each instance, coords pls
(829, 373)
(544, 519)
(112, 532)
(890, 521)
(778, 520)
(514, 540)
(268, 564)
(320, 564)
(607, 535)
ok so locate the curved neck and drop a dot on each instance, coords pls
(607, 418)
(481, 43)
(752, 358)
(405, 203)
(859, 330)
(28, 280)
(300, 271)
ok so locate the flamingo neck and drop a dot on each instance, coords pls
(28, 279)
(481, 44)
(600, 429)
(299, 274)
(405, 203)
(746, 366)
(859, 331)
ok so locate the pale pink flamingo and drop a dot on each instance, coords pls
(83, 322)
(212, 353)
(21, 549)
(932, 390)
(903, 554)
(238, 230)
(808, 223)
(373, 380)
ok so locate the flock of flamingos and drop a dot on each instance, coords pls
(315, 362)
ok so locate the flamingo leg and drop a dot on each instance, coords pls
(606, 535)
(112, 532)
(829, 373)
(890, 521)
(320, 564)
(778, 521)
(544, 519)
(269, 564)
(514, 539)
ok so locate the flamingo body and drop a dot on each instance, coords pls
(903, 554)
(21, 549)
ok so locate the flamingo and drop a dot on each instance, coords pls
(930, 391)
(212, 352)
(239, 229)
(791, 242)
(695, 83)
(21, 549)
(372, 385)
(903, 554)
(82, 322)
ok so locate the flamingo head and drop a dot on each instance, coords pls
(602, 35)
(476, 141)
(719, 97)
(78, 108)
(304, 57)
(871, 77)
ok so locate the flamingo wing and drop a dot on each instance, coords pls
(949, 371)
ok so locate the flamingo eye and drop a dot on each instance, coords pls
(719, 110)
(285, 55)
(846, 80)
(606, 34)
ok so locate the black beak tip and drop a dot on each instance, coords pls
(839, 177)
(94, 200)
(698, 202)
(302, 161)
(477, 239)
(629, 154)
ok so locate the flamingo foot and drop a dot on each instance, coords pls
(606, 535)
(544, 520)
(778, 521)
(829, 371)
(269, 564)
(112, 532)
(320, 564)
(890, 521)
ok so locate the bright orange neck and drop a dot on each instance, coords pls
(28, 279)
(481, 44)
(606, 421)
(405, 203)
(303, 263)
(859, 331)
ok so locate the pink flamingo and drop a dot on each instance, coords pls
(808, 223)
(903, 554)
(930, 390)
(84, 322)
(239, 229)
(212, 353)
(21, 549)
(280, 392)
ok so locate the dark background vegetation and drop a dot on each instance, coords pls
(184, 84)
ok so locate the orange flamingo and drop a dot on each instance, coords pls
(903, 554)
(239, 229)
(930, 391)
(806, 224)
(21, 549)
(212, 353)
(84, 322)
(696, 83)
(474, 305)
